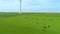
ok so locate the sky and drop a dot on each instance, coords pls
(30, 5)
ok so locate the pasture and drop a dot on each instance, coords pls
(29, 23)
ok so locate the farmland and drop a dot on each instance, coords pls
(29, 23)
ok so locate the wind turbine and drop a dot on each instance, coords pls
(20, 7)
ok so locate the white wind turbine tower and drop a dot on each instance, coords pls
(20, 7)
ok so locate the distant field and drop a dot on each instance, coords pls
(29, 23)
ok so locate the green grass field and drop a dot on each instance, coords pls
(32, 23)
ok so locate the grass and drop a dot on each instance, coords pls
(13, 23)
